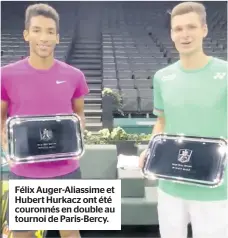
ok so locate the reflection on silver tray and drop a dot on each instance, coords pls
(185, 159)
(44, 138)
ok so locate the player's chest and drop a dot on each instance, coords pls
(206, 92)
(40, 89)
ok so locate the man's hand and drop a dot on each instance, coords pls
(10, 162)
(142, 158)
(4, 147)
(158, 128)
(78, 108)
(4, 155)
(4, 142)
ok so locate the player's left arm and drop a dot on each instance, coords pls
(78, 108)
(81, 90)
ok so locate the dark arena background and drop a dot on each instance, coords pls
(118, 46)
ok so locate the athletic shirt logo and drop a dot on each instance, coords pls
(168, 77)
(220, 75)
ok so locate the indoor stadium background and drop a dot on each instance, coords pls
(119, 46)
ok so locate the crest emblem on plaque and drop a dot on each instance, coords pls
(184, 155)
(46, 135)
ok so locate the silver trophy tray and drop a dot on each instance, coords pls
(185, 159)
(33, 139)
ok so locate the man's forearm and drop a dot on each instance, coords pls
(3, 135)
(82, 118)
(158, 127)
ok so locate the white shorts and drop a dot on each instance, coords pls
(208, 219)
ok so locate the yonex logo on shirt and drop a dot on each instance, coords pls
(168, 77)
(220, 75)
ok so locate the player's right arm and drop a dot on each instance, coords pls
(4, 109)
(157, 129)
(159, 126)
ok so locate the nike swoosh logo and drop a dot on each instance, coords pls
(59, 82)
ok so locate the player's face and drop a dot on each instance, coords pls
(42, 36)
(188, 33)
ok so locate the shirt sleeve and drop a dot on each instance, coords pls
(158, 101)
(82, 88)
(4, 94)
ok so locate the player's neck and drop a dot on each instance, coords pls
(39, 63)
(194, 61)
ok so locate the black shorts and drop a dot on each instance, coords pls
(73, 175)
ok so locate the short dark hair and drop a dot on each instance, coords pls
(41, 9)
